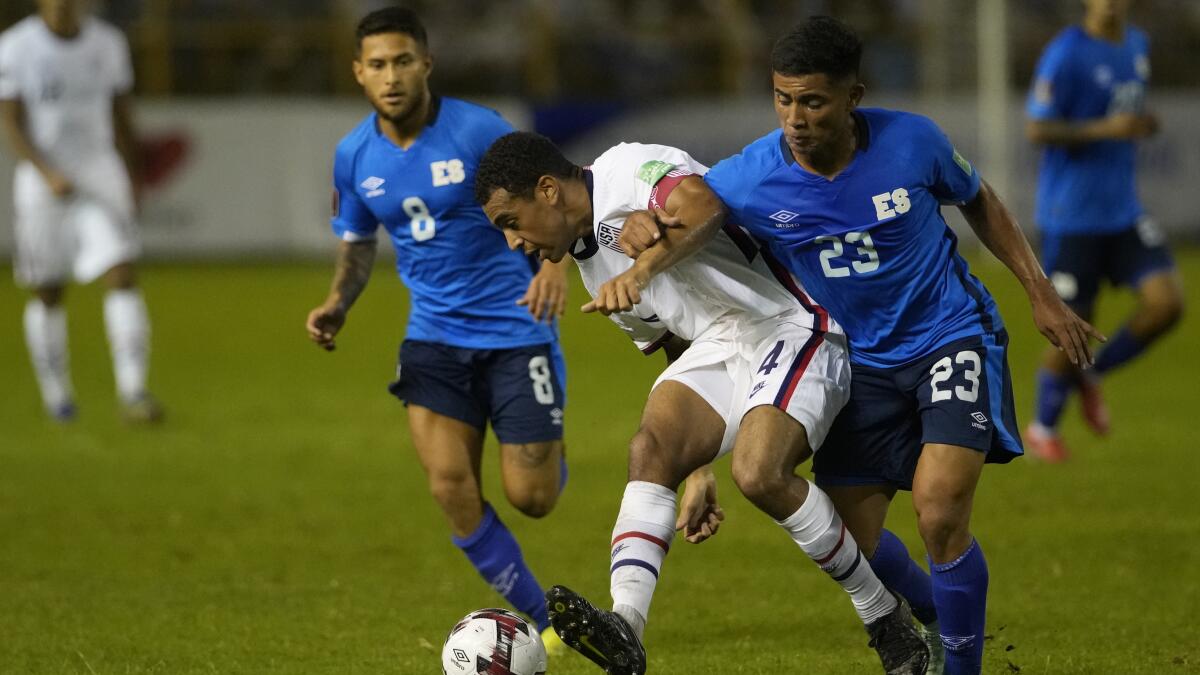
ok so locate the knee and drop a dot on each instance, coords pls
(1166, 312)
(534, 501)
(943, 525)
(756, 478)
(651, 460)
(50, 296)
(454, 491)
(121, 277)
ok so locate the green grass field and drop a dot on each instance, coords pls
(279, 523)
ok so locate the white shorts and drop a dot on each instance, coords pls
(803, 373)
(78, 238)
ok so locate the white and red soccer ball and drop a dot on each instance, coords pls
(493, 642)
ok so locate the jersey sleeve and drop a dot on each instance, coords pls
(122, 64)
(727, 180)
(954, 180)
(351, 220)
(1051, 87)
(642, 175)
(10, 88)
(646, 337)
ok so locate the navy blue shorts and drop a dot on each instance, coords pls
(1077, 263)
(520, 390)
(960, 394)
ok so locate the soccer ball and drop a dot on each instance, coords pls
(493, 642)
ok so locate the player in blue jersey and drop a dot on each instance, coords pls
(849, 199)
(1086, 109)
(472, 355)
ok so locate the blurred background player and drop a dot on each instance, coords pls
(65, 99)
(1087, 108)
(756, 369)
(471, 354)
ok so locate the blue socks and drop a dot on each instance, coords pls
(1122, 348)
(960, 593)
(1053, 390)
(899, 572)
(493, 551)
(1052, 393)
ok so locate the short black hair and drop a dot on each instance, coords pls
(391, 20)
(516, 161)
(821, 44)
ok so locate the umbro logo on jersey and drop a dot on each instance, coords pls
(783, 216)
(556, 417)
(373, 186)
(980, 422)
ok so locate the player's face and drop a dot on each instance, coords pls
(1107, 11)
(60, 12)
(533, 225)
(814, 111)
(393, 70)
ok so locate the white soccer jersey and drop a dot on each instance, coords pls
(66, 85)
(727, 286)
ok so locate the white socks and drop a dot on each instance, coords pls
(641, 539)
(46, 337)
(819, 532)
(128, 328)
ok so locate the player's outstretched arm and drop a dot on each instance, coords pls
(699, 514)
(691, 217)
(546, 296)
(354, 262)
(1115, 127)
(998, 230)
(12, 113)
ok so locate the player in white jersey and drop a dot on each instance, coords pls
(65, 83)
(756, 368)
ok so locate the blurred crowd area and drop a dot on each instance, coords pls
(595, 49)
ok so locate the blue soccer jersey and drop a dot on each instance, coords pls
(1089, 188)
(463, 279)
(870, 245)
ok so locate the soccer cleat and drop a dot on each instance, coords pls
(1045, 444)
(1095, 410)
(142, 410)
(554, 645)
(937, 651)
(900, 646)
(64, 412)
(603, 637)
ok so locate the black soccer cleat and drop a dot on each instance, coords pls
(603, 637)
(899, 645)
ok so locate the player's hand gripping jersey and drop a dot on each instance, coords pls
(757, 338)
(871, 244)
(1089, 188)
(464, 280)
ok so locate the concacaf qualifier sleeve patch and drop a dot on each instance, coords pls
(651, 172)
(963, 163)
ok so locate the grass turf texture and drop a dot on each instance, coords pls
(278, 521)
